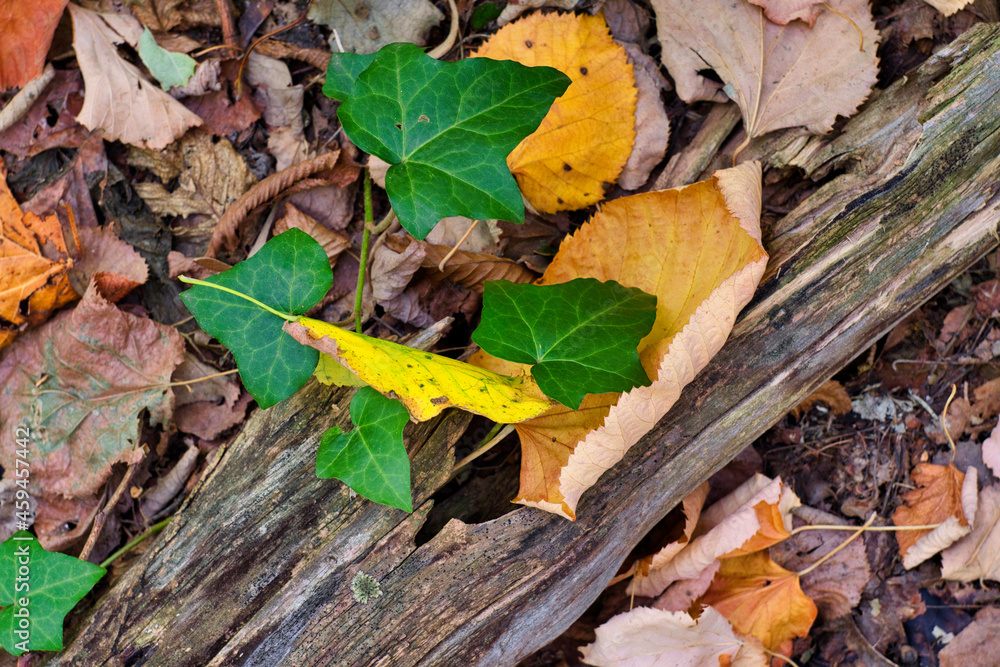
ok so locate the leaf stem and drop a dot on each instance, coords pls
(205, 283)
(152, 530)
(858, 531)
(496, 434)
(364, 251)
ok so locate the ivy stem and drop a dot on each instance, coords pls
(205, 283)
(496, 434)
(152, 530)
(364, 251)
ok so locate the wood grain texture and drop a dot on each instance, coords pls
(255, 570)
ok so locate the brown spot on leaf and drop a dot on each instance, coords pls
(529, 43)
(373, 33)
(440, 400)
(583, 71)
(566, 167)
(361, 10)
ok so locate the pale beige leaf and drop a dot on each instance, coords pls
(977, 640)
(515, 9)
(729, 525)
(647, 637)
(365, 26)
(282, 100)
(977, 555)
(783, 11)
(781, 76)
(118, 99)
(948, 7)
(680, 595)
(333, 242)
(991, 450)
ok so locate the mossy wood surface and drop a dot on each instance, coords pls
(256, 568)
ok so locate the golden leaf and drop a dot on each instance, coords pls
(586, 138)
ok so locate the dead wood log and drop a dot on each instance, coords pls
(256, 568)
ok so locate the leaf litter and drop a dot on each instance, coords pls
(188, 200)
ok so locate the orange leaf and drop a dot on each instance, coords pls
(698, 250)
(938, 498)
(830, 393)
(762, 599)
(31, 285)
(27, 29)
(585, 140)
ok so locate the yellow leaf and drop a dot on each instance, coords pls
(585, 140)
(698, 250)
(425, 383)
(330, 372)
(762, 599)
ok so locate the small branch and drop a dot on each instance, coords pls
(102, 516)
(449, 41)
(944, 423)
(451, 253)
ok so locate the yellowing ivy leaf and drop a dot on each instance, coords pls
(425, 383)
(779, 75)
(585, 140)
(697, 249)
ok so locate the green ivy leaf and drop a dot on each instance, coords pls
(291, 273)
(343, 71)
(485, 13)
(372, 458)
(37, 590)
(170, 68)
(446, 128)
(582, 335)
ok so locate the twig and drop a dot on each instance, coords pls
(498, 433)
(449, 41)
(102, 516)
(451, 253)
(229, 36)
(944, 423)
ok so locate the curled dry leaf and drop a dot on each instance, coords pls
(831, 393)
(282, 100)
(333, 242)
(79, 384)
(32, 285)
(27, 29)
(586, 138)
(118, 99)
(753, 517)
(780, 76)
(762, 599)
(471, 269)
(943, 496)
(977, 555)
(698, 250)
(226, 237)
(948, 7)
(115, 267)
(645, 637)
(391, 270)
(652, 127)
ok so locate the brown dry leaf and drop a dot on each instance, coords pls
(762, 599)
(32, 285)
(79, 384)
(979, 639)
(780, 76)
(938, 499)
(115, 267)
(987, 401)
(211, 175)
(60, 522)
(783, 11)
(391, 271)
(953, 325)
(698, 250)
(584, 141)
(652, 127)
(282, 103)
(118, 99)
(515, 9)
(471, 269)
(62, 99)
(333, 243)
(977, 555)
(27, 29)
(206, 407)
(836, 585)
(484, 237)
(753, 517)
(831, 393)
(681, 595)
(645, 637)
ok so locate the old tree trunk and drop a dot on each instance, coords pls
(256, 568)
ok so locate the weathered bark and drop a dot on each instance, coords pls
(256, 568)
